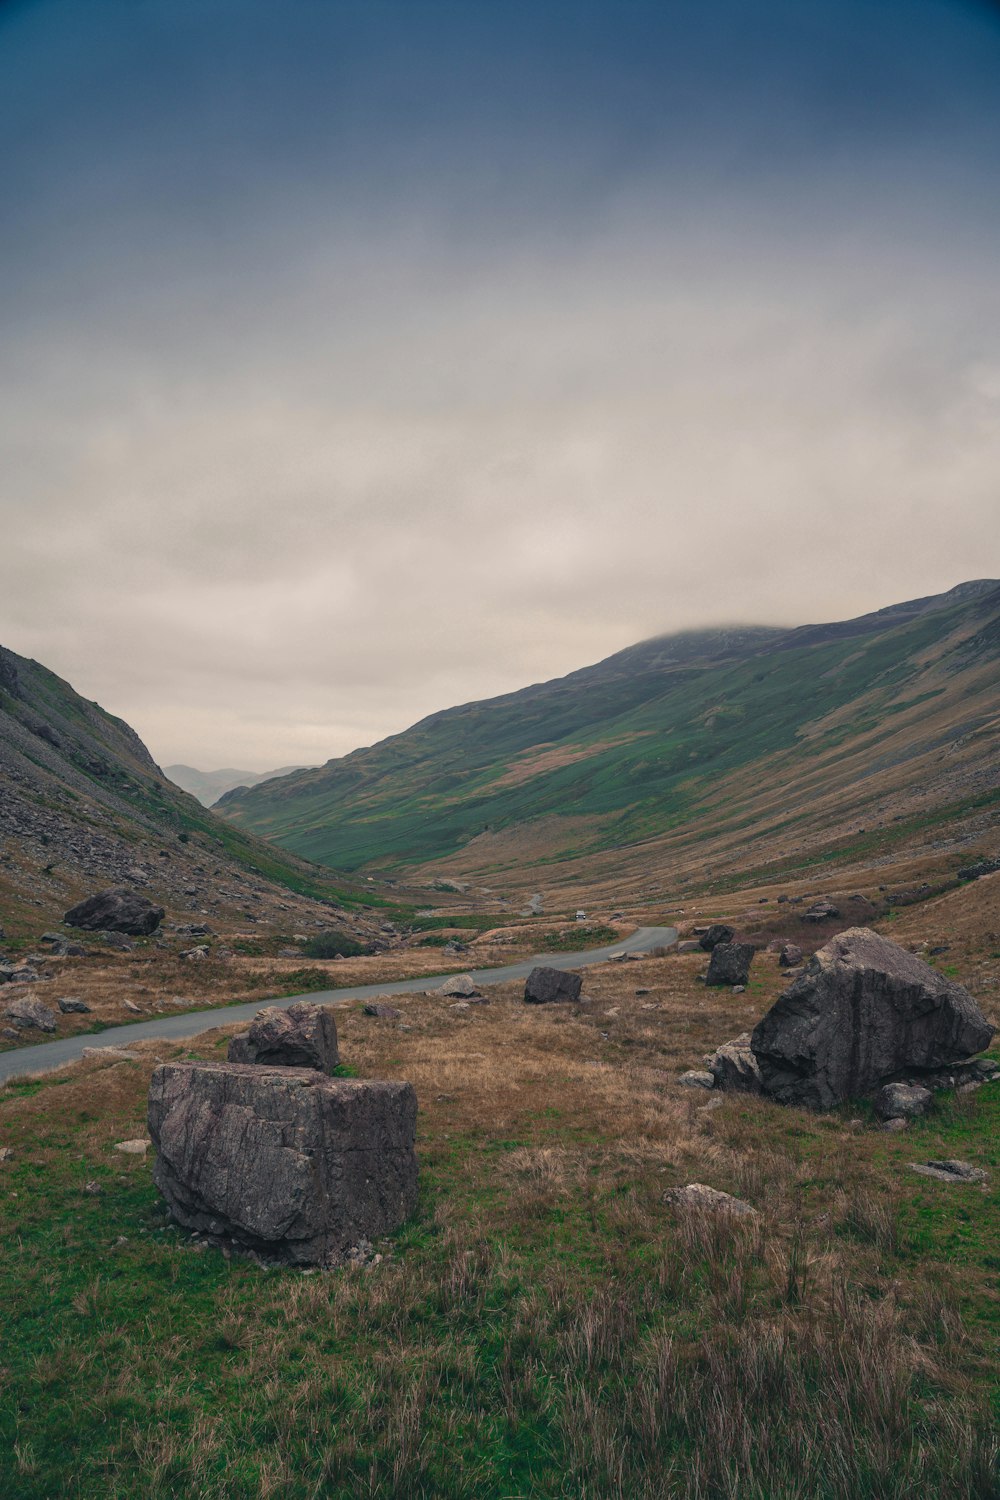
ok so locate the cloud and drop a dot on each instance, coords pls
(284, 473)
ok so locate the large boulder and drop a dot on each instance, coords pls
(302, 1035)
(543, 985)
(119, 910)
(730, 963)
(862, 1013)
(285, 1162)
(718, 933)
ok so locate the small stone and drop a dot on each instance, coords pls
(383, 1012)
(739, 989)
(93, 1189)
(697, 1195)
(689, 946)
(898, 1122)
(131, 1005)
(138, 1147)
(113, 1054)
(73, 1005)
(695, 1078)
(907, 1101)
(460, 986)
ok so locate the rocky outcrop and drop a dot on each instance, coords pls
(862, 1013)
(118, 910)
(730, 964)
(545, 985)
(302, 1035)
(284, 1162)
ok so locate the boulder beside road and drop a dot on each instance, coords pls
(284, 1162)
(545, 985)
(117, 910)
(303, 1035)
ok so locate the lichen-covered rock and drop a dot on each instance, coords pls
(302, 1035)
(698, 1195)
(730, 964)
(902, 1101)
(118, 910)
(863, 1012)
(544, 985)
(734, 1066)
(697, 1078)
(29, 1014)
(285, 1162)
(459, 987)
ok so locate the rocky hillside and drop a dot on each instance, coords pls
(84, 806)
(681, 758)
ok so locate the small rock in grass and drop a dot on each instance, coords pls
(71, 1004)
(138, 1147)
(459, 986)
(697, 1195)
(383, 1012)
(905, 1101)
(131, 1005)
(739, 989)
(949, 1170)
(696, 1078)
(93, 1189)
(898, 1122)
(28, 1014)
(115, 1054)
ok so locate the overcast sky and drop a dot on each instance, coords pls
(358, 359)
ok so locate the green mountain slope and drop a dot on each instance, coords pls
(639, 744)
(83, 805)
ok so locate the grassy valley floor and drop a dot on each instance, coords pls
(549, 1324)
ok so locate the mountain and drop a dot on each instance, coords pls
(688, 754)
(84, 806)
(209, 786)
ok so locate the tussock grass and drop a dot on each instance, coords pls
(548, 1325)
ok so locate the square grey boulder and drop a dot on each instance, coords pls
(545, 985)
(285, 1162)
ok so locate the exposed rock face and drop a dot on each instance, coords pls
(863, 1012)
(730, 963)
(543, 985)
(118, 910)
(734, 1066)
(29, 1014)
(302, 1036)
(283, 1161)
(716, 934)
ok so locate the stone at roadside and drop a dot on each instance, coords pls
(459, 987)
(137, 1147)
(131, 1005)
(789, 956)
(383, 1012)
(689, 945)
(862, 1012)
(28, 1014)
(113, 1054)
(117, 910)
(902, 1101)
(718, 933)
(949, 1170)
(698, 1195)
(73, 1005)
(734, 1066)
(284, 1162)
(545, 985)
(730, 964)
(302, 1035)
(696, 1078)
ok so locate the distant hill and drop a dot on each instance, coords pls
(698, 751)
(84, 806)
(209, 786)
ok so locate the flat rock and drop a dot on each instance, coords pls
(138, 1147)
(285, 1162)
(302, 1035)
(949, 1170)
(862, 1012)
(27, 1014)
(730, 964)
(689, 945)
(545, 985)
(117, 910)
(698, 1195)
(73, 1005)
(114, 1054)
(383, 1012)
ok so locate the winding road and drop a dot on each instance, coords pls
(57, 1054)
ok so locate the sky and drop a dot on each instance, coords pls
(363, 357)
